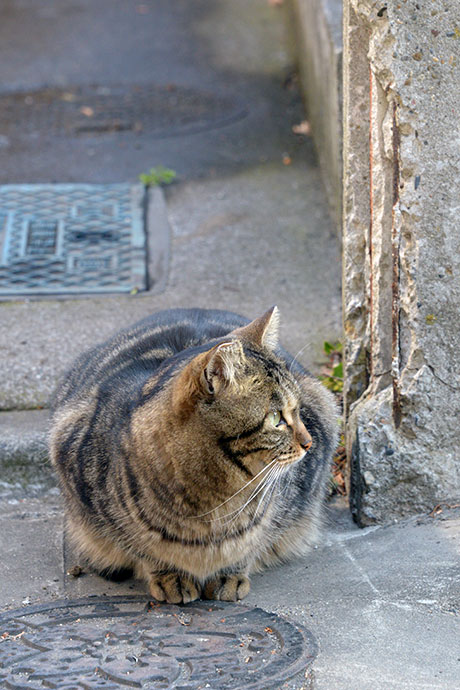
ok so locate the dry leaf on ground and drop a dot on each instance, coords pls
(302, 128)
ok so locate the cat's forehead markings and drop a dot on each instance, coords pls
(285, 398)
(291, 394)
(271, 366)
(277, 399)
(291, 400)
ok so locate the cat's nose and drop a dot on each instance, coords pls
(304, 438)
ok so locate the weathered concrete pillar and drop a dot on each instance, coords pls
(402, 254)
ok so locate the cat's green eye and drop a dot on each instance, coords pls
(274, 418)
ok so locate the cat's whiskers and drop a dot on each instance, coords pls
(254, 493)
(297, 355)
(269, 485)
(269, 480)
(269, 489)
(236, 492)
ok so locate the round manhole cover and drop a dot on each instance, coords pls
(90, 110)
(129, 642)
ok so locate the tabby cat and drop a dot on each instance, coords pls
(193, 450)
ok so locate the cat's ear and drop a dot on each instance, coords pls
(262, 331)
(207, 374)
(221, 366)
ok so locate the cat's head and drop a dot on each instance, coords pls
(243, 394)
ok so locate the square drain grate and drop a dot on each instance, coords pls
(72, 239)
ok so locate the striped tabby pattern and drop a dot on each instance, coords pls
(192, 449)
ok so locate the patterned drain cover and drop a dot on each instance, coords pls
(128, 642)
(64, 239)
(156, 110)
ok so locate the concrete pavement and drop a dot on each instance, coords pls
(383, 603)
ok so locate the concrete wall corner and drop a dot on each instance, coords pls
(401, 267)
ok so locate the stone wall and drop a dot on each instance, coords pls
(402, 254)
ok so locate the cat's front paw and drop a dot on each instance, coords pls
(173, 588)
(227, 587)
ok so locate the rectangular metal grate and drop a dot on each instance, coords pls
(71, 239)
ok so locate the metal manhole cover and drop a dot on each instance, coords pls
(126, 642)
(72, 238)
(156, 110)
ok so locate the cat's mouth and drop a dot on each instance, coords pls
(292, 459)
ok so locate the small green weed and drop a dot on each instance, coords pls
(333, 378)
(158, 176)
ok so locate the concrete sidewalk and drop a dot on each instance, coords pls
(249, 227)
(383, 603)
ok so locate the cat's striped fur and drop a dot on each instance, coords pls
(193, 449)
